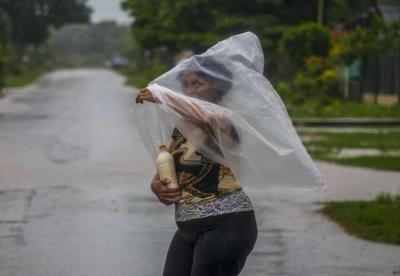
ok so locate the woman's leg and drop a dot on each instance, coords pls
(222, 249)
(179, 257)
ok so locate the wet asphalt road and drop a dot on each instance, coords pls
(74, 195)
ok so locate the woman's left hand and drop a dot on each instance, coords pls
(165, 195)
(144, 95)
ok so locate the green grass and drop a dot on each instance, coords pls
(338, 109)
(26, 77)
(376, 220)
(140, 77)
(388, 163)
(327, 145)
(381, 140)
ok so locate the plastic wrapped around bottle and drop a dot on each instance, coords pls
(246, 127)
(166, 167)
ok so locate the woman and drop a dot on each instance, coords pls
(211, 208)
(230, 129)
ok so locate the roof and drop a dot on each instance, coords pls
(390, 13)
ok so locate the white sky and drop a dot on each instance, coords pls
(108, 10)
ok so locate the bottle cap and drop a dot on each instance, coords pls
(163, 146)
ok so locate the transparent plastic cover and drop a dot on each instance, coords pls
(245, 126)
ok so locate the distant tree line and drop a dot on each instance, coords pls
(26, 23)
(89, 44)
(197, 24)
(31, 19)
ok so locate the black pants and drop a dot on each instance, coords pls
(217, 245)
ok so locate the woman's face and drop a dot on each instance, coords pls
(195, 86)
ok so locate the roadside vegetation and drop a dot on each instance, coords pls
(340, 109)
(71, 46)
(139, 76)
(25, 77)
(24, 30)
(376, 220)
(380, 150)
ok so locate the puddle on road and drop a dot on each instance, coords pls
(61, 152)
(33, 98)
(22, 117)
(16, 211)
(13, 205)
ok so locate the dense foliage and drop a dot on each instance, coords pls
(197, 24)
(5, 30)
(25, 25)
(306, 40)
(31, 19)
(379, 38)
(305, 60)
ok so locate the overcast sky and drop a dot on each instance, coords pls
(108, 10)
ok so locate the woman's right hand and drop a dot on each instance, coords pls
(164, 194)
(144, 95)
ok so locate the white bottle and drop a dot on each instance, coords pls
(166, 166)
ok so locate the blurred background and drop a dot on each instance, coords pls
(318, 52)
(326, 58)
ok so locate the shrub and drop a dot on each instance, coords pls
(141, 75)
(306, 40)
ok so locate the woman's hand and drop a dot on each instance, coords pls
(165, 195)
(144, 95)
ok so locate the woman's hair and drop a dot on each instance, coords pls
(216, 74)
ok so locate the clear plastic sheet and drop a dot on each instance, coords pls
(246, 127)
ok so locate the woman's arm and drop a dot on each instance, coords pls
(193, 112)
(190, 111)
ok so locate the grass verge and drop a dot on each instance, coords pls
(376, 220)
(327, 146)
(338, 109)
(24, 78)
(388, 163)
(140, 77)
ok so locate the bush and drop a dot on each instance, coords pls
(324, 86)
(306, 40)
(329, 84)
(379, 38)
(141, 75)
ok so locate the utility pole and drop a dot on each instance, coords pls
(321, 11)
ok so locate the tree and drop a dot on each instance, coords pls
(31, 19)
(84, 43)
(197, 24)
(5, 32)
(5, 29)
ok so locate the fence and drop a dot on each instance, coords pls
(375, 79)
